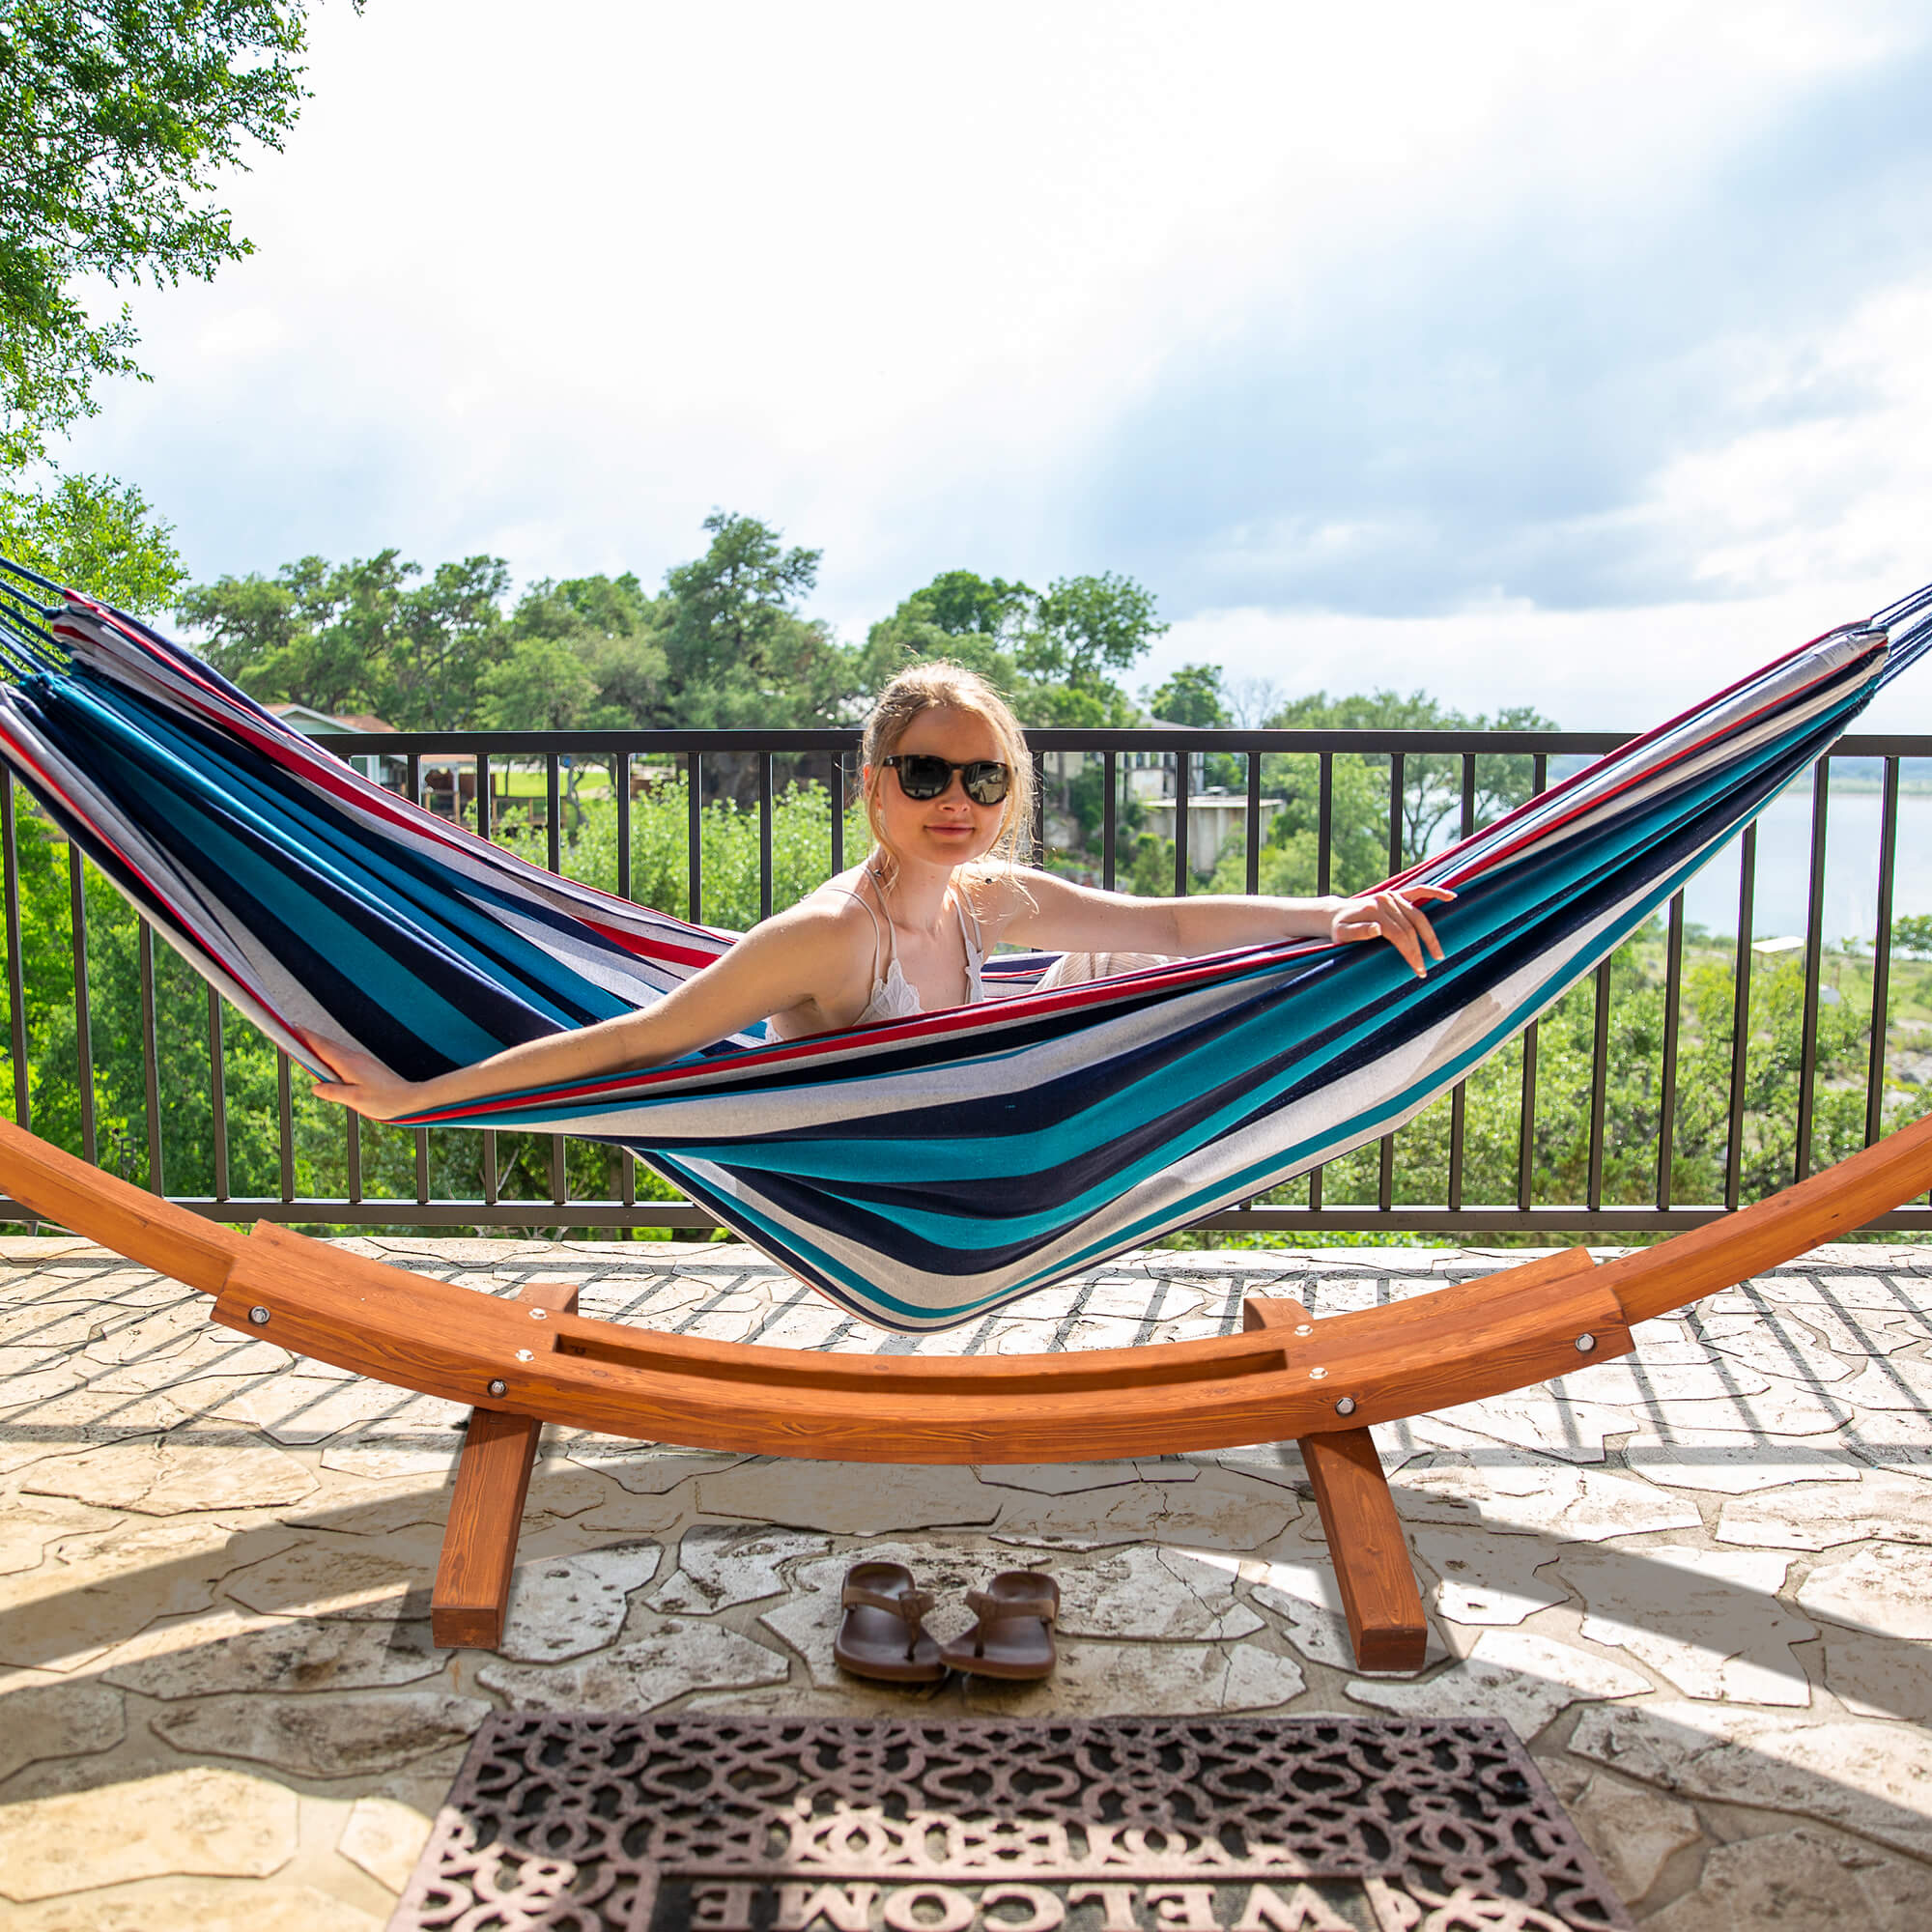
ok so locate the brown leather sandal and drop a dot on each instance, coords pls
(880, 1635)
(1013, 1637)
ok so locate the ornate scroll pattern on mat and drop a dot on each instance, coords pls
(1118, 1825)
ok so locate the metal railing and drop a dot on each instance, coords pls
(1433, 785)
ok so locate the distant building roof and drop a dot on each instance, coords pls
(314, 724)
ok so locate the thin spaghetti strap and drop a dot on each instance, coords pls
(973, 941)
(879, 965)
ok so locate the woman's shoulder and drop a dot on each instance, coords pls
(845, 903)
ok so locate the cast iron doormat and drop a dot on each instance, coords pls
(720, 1824)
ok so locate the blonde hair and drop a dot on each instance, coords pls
(935, 685)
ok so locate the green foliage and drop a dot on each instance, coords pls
(1913, 933)
(361, 636)
(736, 649)
(1049, 654)
(610, 629)
(1192, 696)
(96, 535)
(115, 123)
(1432, 781)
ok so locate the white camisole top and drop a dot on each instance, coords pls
(893, 996)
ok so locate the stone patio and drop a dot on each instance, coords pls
(1694, 1580)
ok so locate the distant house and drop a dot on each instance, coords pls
(325, 727)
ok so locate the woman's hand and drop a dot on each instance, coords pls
(363, 1082)
(1396, 915)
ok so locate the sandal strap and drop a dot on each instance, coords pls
(991, 1609)
(910, 1605)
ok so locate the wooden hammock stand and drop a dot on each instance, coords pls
(1320, 1381)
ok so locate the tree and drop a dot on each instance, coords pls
(96, 535)
(737, 650)
(115, 123)
(442, 638)
(1432, 781)
(1089, 626)
(963, 605)
(1192, 696)
(611, 628)
(359, 637)
(1049, 655)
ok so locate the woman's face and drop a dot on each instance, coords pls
(951, 829)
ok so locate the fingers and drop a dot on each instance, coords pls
(1397, 921)
(1396, 915)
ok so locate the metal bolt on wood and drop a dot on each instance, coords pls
(499, 1388)
(1585, 1344)
(1315, 1375)
(1346, 1406)
(259, 1317)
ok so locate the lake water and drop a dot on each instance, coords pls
(1851, 867)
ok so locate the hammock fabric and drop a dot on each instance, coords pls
(920, 1172)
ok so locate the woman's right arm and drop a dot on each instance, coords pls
(798, 956)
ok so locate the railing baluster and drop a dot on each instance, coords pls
(1599, 1086)
(1324, 824)
(553, 846)
(1254, 821)
(552, 813)
(1040, 807)
(83, 1018)
(286, 1123)
(151, 1056)
(217, 1087)
(1814, 971)
(1881, 997)
(1110, 820)
(1182, 778)
(694, 834)
(421, 1133)
(1385, 1187)
(1666, 1090)
(17, 988)
(1459, 1099)
(1325, 875)
(487, 1152)
(837, 813)
(1526, 1154)
(1734, 1151)
(764, 759)
(620, 777)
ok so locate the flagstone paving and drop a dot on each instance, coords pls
(1695, 1580)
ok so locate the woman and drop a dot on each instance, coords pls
(948, 787)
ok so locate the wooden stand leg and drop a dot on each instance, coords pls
(486, 1513)
(1358, 1516)
(1386, 1625)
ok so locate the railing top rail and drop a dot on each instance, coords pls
(1163, 738)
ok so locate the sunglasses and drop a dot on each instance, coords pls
(922, 776)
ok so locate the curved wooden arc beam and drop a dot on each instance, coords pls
(1290, 1376)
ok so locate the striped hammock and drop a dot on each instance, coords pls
(917, 1172)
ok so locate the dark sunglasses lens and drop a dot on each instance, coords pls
(986, 783)
(924, 777)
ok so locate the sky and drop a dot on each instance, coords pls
(1574, 357)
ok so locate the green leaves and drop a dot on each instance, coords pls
(1049, 653)
(100, 536)
(115, 123)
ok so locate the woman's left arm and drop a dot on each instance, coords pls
(1078, 919)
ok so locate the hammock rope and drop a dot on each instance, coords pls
(917, 1172)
